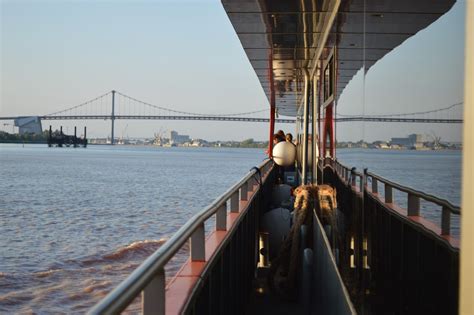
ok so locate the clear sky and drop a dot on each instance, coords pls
(425, 72)
(185, 55)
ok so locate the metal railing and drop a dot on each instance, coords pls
(413, 202)
(348, 175)
(360, 181)
(392, 258)
(149, 278)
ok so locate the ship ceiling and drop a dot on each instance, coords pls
(281, 37)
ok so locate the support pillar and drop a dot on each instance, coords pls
(85, 136)
(306, 101)
(272, 131)
(272, 106)
(113, 117)
(50, 136)
(61, 138)
(315, 130)
(328, 132)
(75, 137)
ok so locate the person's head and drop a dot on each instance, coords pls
(281, 133)
(289, 137)
(277, 138)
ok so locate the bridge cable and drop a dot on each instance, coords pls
(408, 114)
(77, 106)
(187, 113)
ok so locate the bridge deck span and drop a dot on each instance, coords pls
(241, 119)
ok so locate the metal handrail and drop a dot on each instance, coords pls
(348, 175)
(119, 298)
(414, 196)
(428, 197)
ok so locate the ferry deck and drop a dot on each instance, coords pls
(386, 258)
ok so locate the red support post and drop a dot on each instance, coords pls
(328, 131)
(320, 131)
(272, 131)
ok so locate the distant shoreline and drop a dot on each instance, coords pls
(24, 142)
(232, 147)
(402, 149)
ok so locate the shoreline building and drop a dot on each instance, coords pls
(31, 124)
(413, 140)
(176, 138)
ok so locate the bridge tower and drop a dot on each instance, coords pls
(113, 117)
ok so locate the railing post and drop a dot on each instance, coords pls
(353, 178)
(153, 296)
(363, 180)
(234, 202)
(413, 205)
(388, 193)
(252, 182)
(445, 221)
(221, 218)
(198, 249)
(244, 191)
(266, 168)
(375, 188)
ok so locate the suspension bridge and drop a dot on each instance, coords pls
(115, 105)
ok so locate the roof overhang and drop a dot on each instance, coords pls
(284, 39)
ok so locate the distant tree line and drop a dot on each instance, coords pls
(248, 143)
(6, 137)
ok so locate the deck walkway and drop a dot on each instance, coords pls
(264, 301)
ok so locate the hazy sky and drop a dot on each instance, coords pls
(425, 72)
(185, 55)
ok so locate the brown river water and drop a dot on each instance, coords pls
(75, 222)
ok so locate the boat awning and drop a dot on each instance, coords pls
(281, 37)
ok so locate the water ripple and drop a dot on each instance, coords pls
(76, 222)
